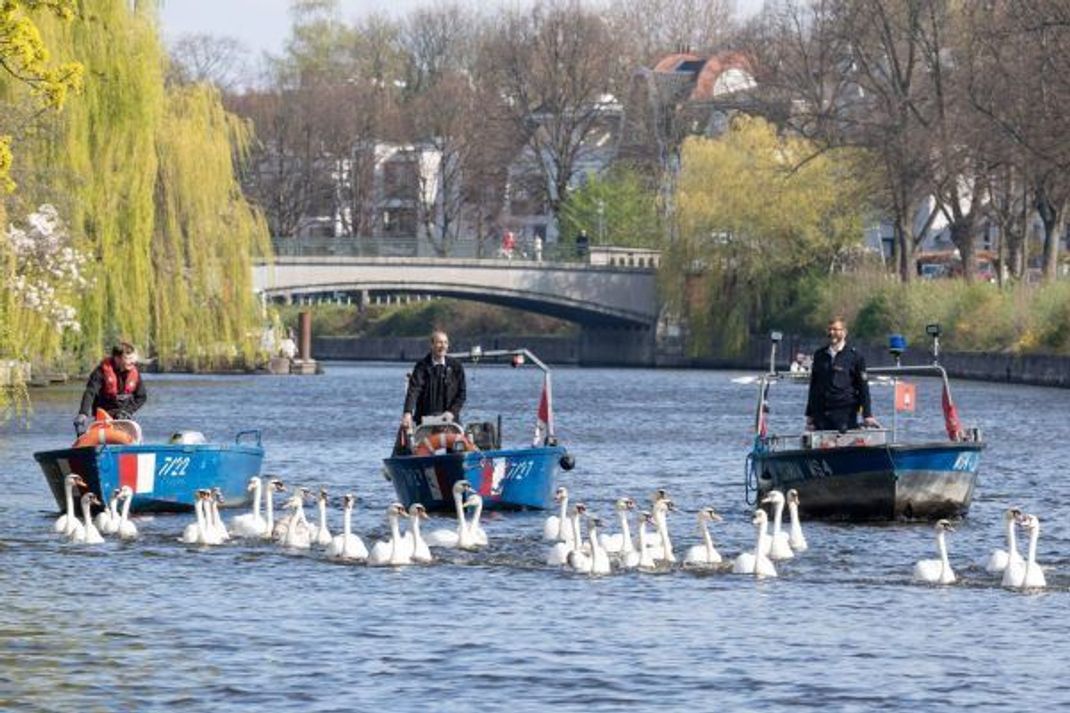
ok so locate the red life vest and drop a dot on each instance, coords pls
(111, 380)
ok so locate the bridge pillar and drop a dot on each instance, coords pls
(617, 346)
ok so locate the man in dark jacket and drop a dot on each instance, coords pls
(838, 385)
(436, 386)
(115, 386)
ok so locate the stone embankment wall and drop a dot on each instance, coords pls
(1038, 369)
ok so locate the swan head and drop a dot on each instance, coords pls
(774, 497)
(659, 495)
(645, 518)
(396, 510)
(594, 522)
(418, 511)
(664, 506)
(760, 518)
(473, 500)
(323, 494)
(624, 504)
(277, 485)
(77, 481)
(217, 495)
(943, 526)
(90, 499)
(793, 496)
(254, 483)
(126, 492)
(560, 494)
(709, 515)
(578, 509)
(461, 487)
(1012, 514)
(1030, 523)
(348, 500)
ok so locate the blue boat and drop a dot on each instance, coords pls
(867, 474)
(163, 476)
(507, 479)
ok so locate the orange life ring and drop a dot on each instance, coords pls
(102, 432)
(443, 441)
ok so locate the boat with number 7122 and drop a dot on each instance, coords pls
(163, 476)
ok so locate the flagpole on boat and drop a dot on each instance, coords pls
(897, 344)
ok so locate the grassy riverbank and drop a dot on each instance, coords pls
(417, 319)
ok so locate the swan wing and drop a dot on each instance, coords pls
(551, 529)
(443, 538)
(744, 563)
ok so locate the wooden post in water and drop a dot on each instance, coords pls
(304, 363)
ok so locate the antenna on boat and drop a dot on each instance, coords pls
(897, 344)
(933, 330)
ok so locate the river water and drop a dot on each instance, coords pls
(157, 625)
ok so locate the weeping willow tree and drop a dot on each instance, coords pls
(144, 175)
(206, 235)
(757, 213)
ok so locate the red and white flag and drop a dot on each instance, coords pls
(138, 470)
(544, 424)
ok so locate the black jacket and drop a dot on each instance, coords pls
(838, 383)
(122, 406)
(435, 389)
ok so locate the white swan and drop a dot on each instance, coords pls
(662, 549)
(704, 554)
(460, 537)
(107, 520)
(67, 523)
(558, 527)
(999, 559)
(643, 558)
(250, 524)
(621, 542)
(216, 520)
(558, 553)
(347, 546)
(412, 541)
(598, 561)
(475, 530)
(776, 545)
(192, 534)
(756, 562)
(390, 552)
(88, 534)
(127, 530)
(274, 486)
(796, 538)
(322, 537)
(1032, 574)
(297, 532)
(937, 571)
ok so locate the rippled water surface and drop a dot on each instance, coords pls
(156, 625)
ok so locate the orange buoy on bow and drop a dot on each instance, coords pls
(444, 441)
(106, 431)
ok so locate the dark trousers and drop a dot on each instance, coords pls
(840, 419)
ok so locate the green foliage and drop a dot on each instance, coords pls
(617, 208)
(757, 214)
(24, 56)
(975, 317)
(146, 179)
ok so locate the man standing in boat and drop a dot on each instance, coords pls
(115, 386)
(436, 386)
(838, 385)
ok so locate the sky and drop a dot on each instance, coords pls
(263, 25)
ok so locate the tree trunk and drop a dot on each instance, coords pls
(1053, 218)
(962, 236)
(906, 262)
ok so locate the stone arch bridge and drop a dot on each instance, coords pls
(616, 307)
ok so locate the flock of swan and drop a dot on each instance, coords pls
(596, 553)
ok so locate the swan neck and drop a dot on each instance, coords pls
(941, 546)
(347, 518)
(87, 515)
(1012, 538)
(706, 538)
(256, 500)
(778, 515)
(69, 488)
(1033, 537)
(126, 509)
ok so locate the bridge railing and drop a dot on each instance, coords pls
(461, 248)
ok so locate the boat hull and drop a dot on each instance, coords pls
(887, 482)
(164, 477)
(507, 479)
